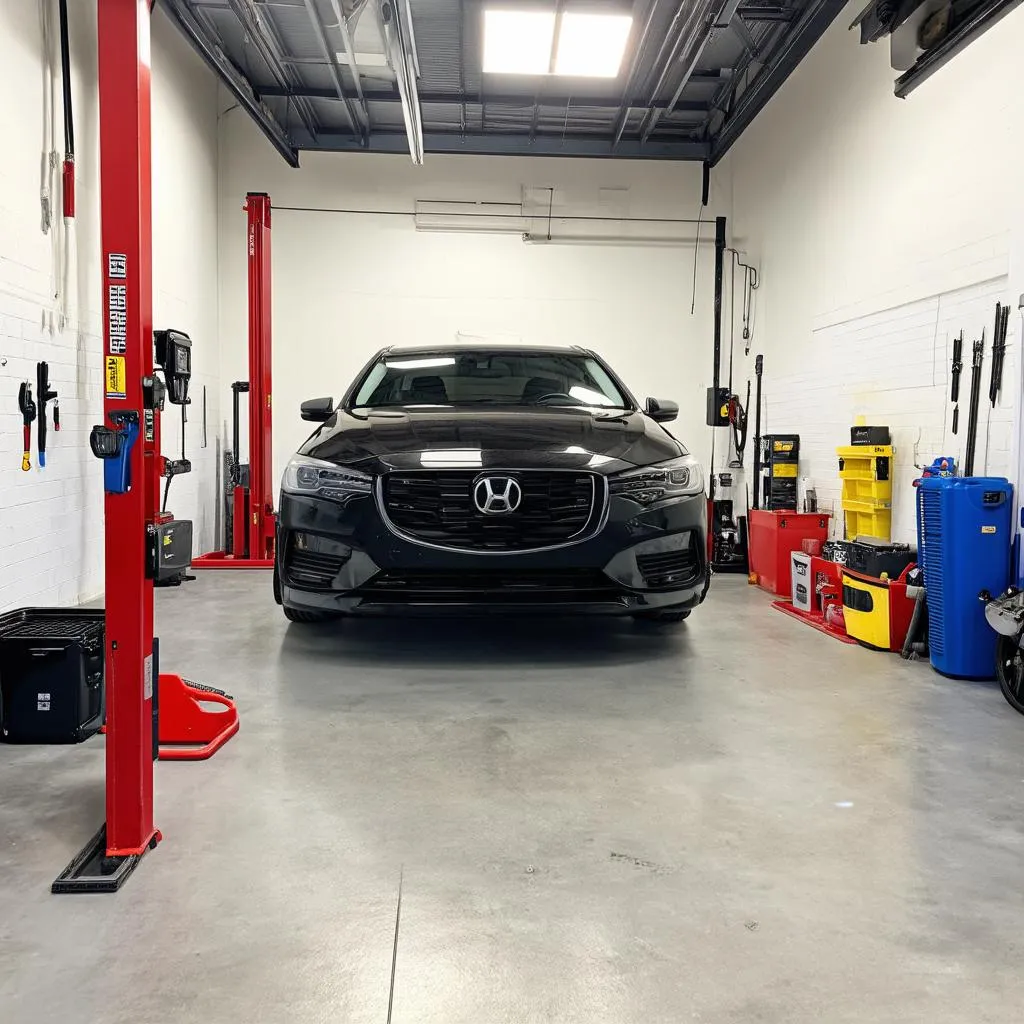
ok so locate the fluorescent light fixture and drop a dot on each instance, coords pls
(521, 42)
(518, 42)
(592, 45)
(419, 364)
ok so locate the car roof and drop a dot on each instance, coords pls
(411, 350)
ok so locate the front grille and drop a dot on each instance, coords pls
(438, 508)
(669, 568)
(311, 570)
(495, 586)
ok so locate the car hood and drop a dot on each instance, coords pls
(448, 438)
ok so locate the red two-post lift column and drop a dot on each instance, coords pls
(123, 32)
(251, 544)
(261, 458)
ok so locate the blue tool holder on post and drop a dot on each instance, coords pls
(114, 447)
(963, 540)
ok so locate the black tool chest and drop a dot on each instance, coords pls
(51, 675)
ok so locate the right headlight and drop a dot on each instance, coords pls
(648, 484)
(305, 475)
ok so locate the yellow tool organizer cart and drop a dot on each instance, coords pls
(865, 468)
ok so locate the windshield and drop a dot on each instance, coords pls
(471, 377)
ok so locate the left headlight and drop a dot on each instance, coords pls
(648, 484)
(304, 475)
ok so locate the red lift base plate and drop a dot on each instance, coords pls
(222, 560)
(812, 620)
(92, 871)
(188, 732)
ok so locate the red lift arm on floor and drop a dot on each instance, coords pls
(254, 524)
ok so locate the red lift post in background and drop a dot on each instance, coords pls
(253, 520)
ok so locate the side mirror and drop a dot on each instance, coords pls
(317, 410)
(662, 411)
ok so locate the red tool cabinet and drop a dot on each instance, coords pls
(773, 536)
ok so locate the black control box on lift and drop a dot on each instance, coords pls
(174, 356)
(718, 407)
(169, 541)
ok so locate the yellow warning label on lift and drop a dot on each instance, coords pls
(988, 529)
(115, 377)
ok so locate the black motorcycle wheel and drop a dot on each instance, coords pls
(1010, 670)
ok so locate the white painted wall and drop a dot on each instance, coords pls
(346, 285)
(51, 521)
(883, 227)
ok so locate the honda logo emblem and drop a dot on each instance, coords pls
(497, 495)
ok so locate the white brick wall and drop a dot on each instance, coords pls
(872, 261)
(893, 368)
(51, 520)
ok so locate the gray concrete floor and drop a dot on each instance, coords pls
(738, 820)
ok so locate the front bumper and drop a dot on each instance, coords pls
(344, 558)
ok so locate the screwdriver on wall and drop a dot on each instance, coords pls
(28, 414)
(44, 394)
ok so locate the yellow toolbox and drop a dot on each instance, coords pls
(866, 474)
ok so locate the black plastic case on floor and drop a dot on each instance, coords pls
(51, 675)
(877, 558)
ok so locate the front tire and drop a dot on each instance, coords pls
(1010, 670)
(663, 616)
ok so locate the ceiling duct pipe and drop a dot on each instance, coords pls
(398, 42)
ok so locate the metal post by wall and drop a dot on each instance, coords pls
(123, 28)
(719, 268)
(261, 487)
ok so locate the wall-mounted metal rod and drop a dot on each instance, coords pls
(719, 268)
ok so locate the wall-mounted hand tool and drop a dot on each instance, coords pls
(956, 370)
(978, 357)
(998, 352)
(28, 414)
(45, 395)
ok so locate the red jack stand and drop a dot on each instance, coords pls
(252, 543)
(188, 732)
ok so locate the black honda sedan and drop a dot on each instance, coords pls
(491, 478)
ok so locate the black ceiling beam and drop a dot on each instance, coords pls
(320, 31)
(520, 144)
(611, 102)
(817, 17)
(749, 44)
(259, 29)
(237, 84)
